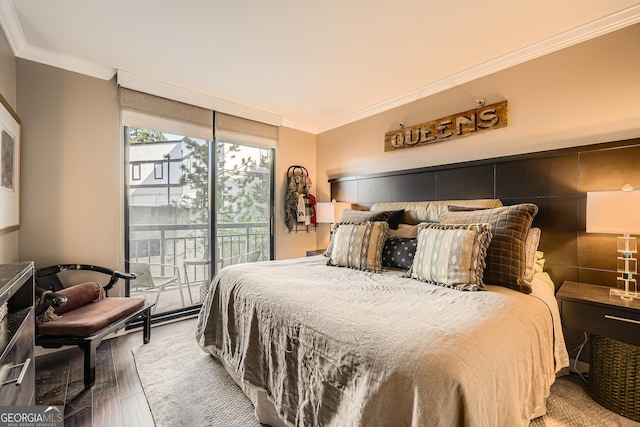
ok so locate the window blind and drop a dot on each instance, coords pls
(146, 111)
(247, 131)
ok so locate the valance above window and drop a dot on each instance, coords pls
(248, 131)
(146, 111)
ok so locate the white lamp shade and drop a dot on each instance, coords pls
(614, 212)
(330, 212)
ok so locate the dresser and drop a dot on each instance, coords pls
(17, 334)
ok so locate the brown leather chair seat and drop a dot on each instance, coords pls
(90, 318)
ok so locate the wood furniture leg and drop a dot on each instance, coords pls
(89, 348)
(146, 317)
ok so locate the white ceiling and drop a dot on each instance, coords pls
(313, 65)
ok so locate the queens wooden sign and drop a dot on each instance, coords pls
(463, 124)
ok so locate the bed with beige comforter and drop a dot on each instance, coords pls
(333, 346)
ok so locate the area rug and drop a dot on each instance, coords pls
(569, 405)
(185, 386)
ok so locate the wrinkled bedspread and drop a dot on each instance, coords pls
(339, 347)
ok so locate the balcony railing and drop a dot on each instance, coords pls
(173, 243)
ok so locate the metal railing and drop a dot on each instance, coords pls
(173, 243)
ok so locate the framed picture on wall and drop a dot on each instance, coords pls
(9, 168)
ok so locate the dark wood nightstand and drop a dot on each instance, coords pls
(589, 308)
(316, 252)
(613, 325)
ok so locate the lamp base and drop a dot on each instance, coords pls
(625, 295)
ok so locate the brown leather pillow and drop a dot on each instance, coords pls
(78, 295)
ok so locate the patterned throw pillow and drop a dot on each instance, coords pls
(359, 246)
(354, 216)
(531, 246)
(531, 242)
(506, 261)
(398, 252)
(451, 255)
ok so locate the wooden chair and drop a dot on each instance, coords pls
(83, 314)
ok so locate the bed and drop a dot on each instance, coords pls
(315, 344)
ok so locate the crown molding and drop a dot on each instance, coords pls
(21, 49)
(299, 126)
(579, 34)
(11, 26)
(65, 62)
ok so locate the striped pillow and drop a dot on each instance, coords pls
(451, 255)
(358, 246)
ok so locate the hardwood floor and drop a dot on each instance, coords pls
(116, 399)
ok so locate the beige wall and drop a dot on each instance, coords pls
(294, 148)
(71, 167)
(8, 241)
(7, 72)
(584, 94)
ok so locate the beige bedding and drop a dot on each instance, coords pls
(339, 347)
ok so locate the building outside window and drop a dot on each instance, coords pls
(170, 226)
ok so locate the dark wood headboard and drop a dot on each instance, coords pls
(557, 181)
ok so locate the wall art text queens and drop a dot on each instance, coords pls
(481, 119)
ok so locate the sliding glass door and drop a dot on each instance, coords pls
(243, 203)
(193, 206)
(167, 216)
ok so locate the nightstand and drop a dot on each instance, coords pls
(316, 252)
(613, 325)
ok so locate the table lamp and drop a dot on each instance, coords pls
(330, 212)
(618, 212)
